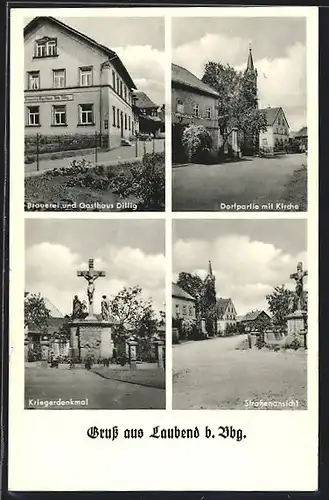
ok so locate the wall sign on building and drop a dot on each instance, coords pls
(48, 98)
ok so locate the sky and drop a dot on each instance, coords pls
(139, 42)
(278, 48)
(131, 252)
(249, 257)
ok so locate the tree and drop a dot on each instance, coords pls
(237, 102)
(131, 311)
(208, 304)
(281, 303)
(192, 284)
(35, 311)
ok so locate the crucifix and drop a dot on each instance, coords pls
(91, 276)
(299, 279)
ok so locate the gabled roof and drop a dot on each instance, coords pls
(178, 292)
(301, 133)
(182, 76)
(53, 311)
(222, 304)
(251, 316)
(143, 101)
(271, 114)
(115, 59)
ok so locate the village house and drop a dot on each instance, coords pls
(192, 102)
(147, 112)
(183, 304)
(276, 137)
(255, 320)
(226, 314)
(74, 85)
(301, 138)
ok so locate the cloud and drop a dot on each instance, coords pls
(281, 80)
(51, 270)
(246, 270)
(147, 68)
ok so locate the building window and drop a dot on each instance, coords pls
(114, 115)
(118, 118)
(129, 122)
(118, 85)
(86, 114)
(59, 78)
(113, 79)
(196, 110)
(121, 93)
(46, 47)
(33, 80)
(125, 93)
(190, 310)
(86, 77)
(208, 113)
(184, 310)
(125, 121)
(33, 116)
(177, 310)
(59, 115)
(180, 106)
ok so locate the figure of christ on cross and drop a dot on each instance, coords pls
(299, 279)
(91, 276)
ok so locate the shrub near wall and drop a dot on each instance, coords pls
(68, 142)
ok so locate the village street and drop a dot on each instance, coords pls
(252, 180)
(213, 374)
(79, 384)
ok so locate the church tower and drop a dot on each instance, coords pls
(250, 90)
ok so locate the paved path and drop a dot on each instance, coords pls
(258, 180)
(124, 153)
(213, 374)
(80, 384)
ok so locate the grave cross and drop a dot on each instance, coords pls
(91, 276)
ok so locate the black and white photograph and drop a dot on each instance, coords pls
(239, 119)
(94, 114)
(94, 313)
(240, 309)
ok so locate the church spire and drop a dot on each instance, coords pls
(210, 269)
(250, 62)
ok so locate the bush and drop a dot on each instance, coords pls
(145, 181)
(65, 142)
(197, 142)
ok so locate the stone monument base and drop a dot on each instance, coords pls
(91, 337)
(296, 322)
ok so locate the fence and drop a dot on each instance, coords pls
(41, 148)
